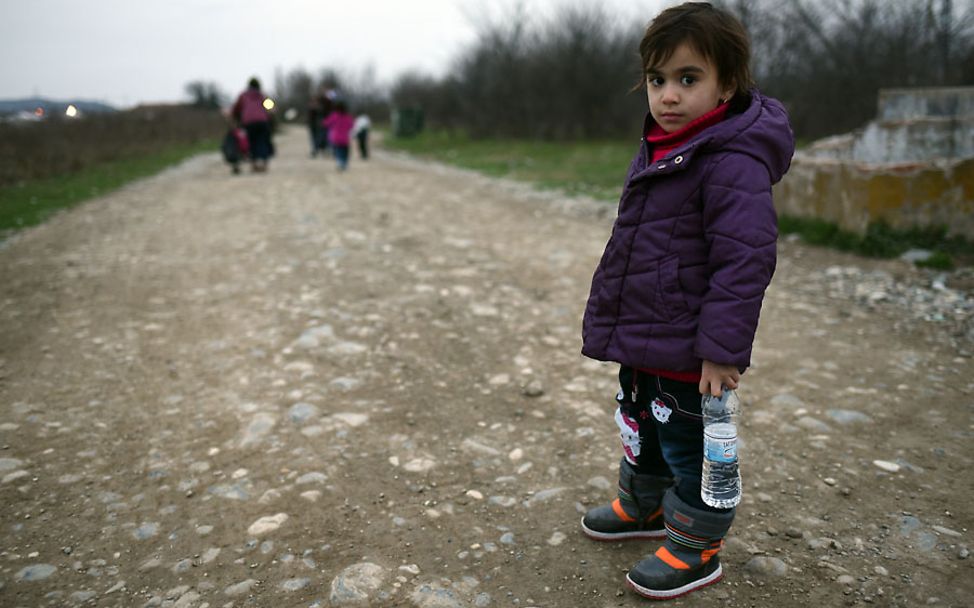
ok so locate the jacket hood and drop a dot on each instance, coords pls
(761, 131)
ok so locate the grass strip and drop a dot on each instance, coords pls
(592, 168)
(31, 202)
(597, 169)
(882, 241)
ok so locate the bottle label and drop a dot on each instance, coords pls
(720, 449)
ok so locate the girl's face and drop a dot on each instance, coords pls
(683, 88)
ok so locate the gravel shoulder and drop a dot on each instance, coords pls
(308, 388)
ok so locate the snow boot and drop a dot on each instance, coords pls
(635, 514)
(688, 559)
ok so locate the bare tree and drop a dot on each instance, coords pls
(828, 59)
(205, 94)
(569, 77)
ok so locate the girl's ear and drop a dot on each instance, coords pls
(728, 93)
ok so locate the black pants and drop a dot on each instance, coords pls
(363, 143)
(662, 430)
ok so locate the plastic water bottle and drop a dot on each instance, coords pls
(721, 484)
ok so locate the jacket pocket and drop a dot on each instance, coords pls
(670, 290)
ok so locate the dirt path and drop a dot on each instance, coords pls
(313, 389)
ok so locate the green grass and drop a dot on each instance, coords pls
(31, 202)
(597, 169)
(593, 168)
(882, 241)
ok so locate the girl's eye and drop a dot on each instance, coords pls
(687, 80)
(656, 81)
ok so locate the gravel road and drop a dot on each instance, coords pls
(316, 389)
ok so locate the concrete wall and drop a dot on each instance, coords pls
(914, 166)
(853, 195)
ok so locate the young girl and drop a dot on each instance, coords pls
(339, 124)
(676, 297)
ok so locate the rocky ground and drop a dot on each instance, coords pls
(312, 389)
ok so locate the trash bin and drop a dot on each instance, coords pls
(407, 122)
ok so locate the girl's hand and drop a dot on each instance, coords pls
(713, 376)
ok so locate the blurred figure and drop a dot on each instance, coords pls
(326, 98)
(361, 131)
(315, 116)
(339, 124)
(251, 113)
(235, 147)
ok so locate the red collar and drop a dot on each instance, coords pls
(662, 142)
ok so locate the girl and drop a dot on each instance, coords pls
(676, 297)
(339, 124)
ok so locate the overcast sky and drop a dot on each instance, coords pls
(130, 51)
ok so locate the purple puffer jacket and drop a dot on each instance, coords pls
(693, 247)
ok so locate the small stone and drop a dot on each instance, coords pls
(886, 465)
(786, 400)
(533, 389)
(352, 419)
(793, 533)
(543, 495)
(312, 477)
(829, 481)
(502, 501)
(36, 572)
(963, 553)
(881, 571)
(267, 524)
(946, 531)
(302, 412)
(260, 426)
(916, 255)
(9, 464)
(845, 579)
(357, 584)
(419, 465)
(240, 588)
(435, 595)
(846, 417)
(556, 539)
(146, 530)
(766, 566)
(295, 584)
(80, 597)
(813, 424)
(475, 494)
(499, 380)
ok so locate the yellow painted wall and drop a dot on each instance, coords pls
(854, 195)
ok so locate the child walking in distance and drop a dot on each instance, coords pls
(676, 296)
(339, 124)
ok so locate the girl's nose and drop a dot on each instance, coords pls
(669, 95)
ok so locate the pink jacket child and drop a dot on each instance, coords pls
(339, 125)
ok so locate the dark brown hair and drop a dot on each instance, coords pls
(714, 33)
